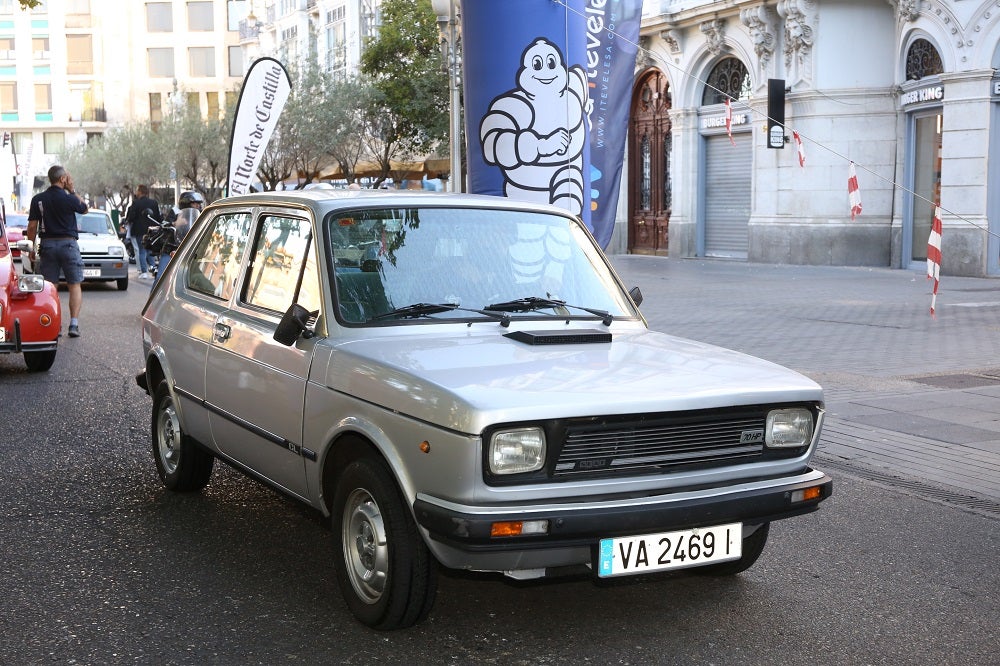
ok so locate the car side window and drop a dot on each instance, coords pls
(281, 251)
(214, 266)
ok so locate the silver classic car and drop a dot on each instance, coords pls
(463, 381)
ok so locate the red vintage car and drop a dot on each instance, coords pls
(30, 311)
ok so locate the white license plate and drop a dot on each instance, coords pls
(91, 272)
(669, 550)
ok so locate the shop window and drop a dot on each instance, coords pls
(7, 48)
(729, 78)
(922, 59)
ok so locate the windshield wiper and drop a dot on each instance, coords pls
(532, 303)
(427, 309)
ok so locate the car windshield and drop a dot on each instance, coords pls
(396, 265)
(17, 221)
(94, 223)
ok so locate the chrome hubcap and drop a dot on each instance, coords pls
(366, 551)
(168, 438)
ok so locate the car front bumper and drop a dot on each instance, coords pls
(460, 535)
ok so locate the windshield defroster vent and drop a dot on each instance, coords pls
(578, 337)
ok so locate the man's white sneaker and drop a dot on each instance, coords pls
(143, 275)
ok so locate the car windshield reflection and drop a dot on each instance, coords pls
(388, 259)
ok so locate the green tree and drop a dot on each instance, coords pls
(196, 148)
(408, 116)
(113, 164)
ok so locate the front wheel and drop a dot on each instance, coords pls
(39, 361)
(122, 283)
(385, 572)
(753, 546)
(182, 464)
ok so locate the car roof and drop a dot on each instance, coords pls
(323, 201)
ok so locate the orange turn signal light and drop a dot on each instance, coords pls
(807, 494)
(44, 320)
(511, 528)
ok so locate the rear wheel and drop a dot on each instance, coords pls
(385, 572)
(39, 361)
(753, 546)
(182, 464)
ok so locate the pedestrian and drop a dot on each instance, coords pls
(190, 204)
(52, 219)
(143, 207)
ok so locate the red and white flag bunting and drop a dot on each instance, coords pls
(852, 192)
(934, 255)
(729, 121)
(800, 148)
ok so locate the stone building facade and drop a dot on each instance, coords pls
(907, 90)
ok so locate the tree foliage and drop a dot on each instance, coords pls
(408, 114)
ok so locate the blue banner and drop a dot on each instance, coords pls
(547, 88)
(612, 39)
(526, 101)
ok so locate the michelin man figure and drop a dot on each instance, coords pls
(535, 133)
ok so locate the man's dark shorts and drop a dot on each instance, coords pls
(61, 254)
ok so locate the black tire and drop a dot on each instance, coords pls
(753, 546)
(39, 361)
(122, 283)
(183, 465)
(385, 572)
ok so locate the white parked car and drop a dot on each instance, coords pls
(463, 380)
(104, 256)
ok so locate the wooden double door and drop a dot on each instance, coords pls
(649, 165)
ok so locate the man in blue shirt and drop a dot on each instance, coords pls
(52, 218)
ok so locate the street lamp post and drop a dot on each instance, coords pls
(448, 15)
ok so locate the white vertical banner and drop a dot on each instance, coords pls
(266, 87)
(27, 175)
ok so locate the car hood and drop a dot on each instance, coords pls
(471, 380)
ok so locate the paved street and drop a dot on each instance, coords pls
(912, 400)
(104, 566)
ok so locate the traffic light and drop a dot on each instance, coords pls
(775, 113)
(6, 139)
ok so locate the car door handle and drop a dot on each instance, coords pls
(222, 331)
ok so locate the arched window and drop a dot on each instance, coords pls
(729, 78)
(922, 60)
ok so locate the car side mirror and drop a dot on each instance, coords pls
(294, 323)
(636, 295)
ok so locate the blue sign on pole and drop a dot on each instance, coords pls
(547, 90)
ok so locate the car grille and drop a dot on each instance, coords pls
(617, 447)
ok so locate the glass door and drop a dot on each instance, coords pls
(926, 181)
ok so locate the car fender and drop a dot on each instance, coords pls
(375, 435)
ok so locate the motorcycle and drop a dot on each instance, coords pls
(161, 238)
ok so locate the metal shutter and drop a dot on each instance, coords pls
(727, 194)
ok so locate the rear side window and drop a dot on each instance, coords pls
(214, 266)
(282, 249)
